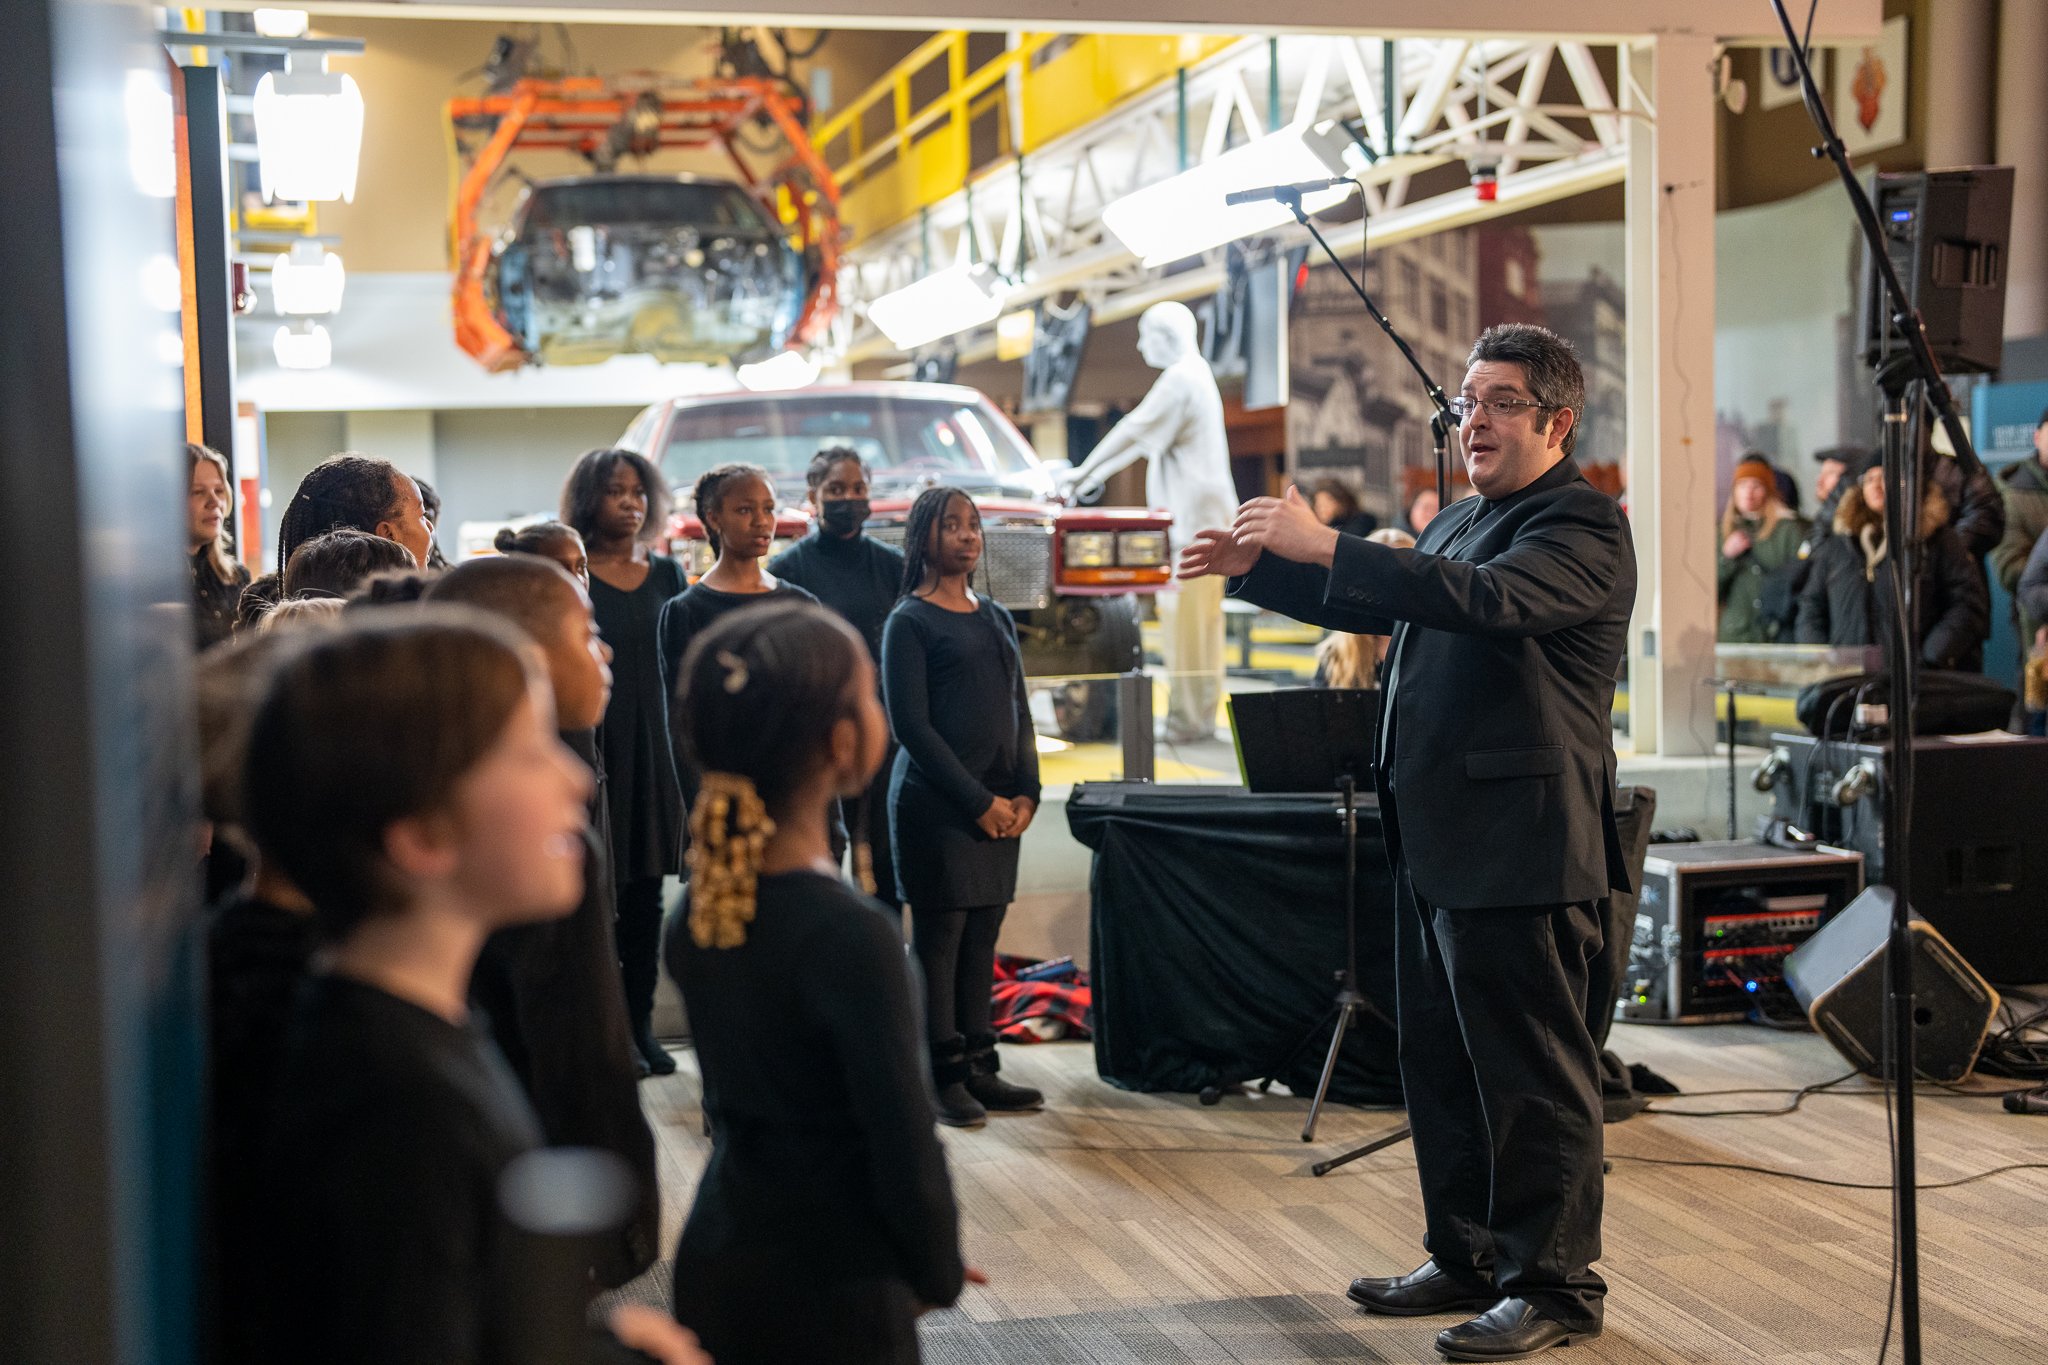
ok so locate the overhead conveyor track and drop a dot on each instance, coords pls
(1083, 121)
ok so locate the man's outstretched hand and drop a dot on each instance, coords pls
(1287, 527)
(1214, 552)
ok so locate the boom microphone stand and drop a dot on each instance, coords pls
(1907, 380)
(1440, 421)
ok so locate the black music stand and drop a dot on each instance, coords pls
(1316, 739)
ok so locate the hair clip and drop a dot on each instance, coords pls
(735, 670)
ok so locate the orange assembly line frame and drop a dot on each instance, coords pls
(576, 114)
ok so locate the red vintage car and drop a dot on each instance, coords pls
(1070, 575)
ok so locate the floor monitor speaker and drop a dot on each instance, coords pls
(1838, 975)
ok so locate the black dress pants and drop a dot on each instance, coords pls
(640, 945)
(1502, 1083)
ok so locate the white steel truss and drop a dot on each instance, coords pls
(1477, 102)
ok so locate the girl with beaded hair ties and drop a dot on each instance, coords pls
(802, 1008)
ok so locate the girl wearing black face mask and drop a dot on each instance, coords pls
(859, 578)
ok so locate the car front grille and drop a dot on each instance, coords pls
(1016, 564)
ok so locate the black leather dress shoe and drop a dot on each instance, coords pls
(1509, 1330)
(1417, 1294)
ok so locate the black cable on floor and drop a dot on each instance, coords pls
(1823, 1180)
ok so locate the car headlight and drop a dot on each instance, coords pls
(1141, 549)
(1090, 549)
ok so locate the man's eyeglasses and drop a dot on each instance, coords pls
(1463, 408)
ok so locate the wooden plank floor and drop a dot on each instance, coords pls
(1121, 1227)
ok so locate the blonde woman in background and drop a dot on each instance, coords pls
(1344, 660)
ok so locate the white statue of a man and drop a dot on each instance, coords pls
(1178, 430)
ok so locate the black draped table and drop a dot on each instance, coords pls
(1216, 936)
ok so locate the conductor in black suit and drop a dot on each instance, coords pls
(1496, 779)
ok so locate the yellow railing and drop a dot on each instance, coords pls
(927, 153)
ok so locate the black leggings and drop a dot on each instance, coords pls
(957, 950)
(640, 945)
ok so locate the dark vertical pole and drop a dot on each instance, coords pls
(206, 173)
(97, 839)
(1902, 660)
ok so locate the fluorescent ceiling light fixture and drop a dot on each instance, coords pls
(281, 23)
(939, 305)
(304, 347)
(1185, 215)
(309, 134)
(307, 281)
(152, 134)
(789, 370)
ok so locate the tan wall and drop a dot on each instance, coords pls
(399, 220)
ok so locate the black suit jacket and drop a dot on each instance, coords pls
(1510, 621)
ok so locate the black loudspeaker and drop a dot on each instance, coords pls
(1838, 975)
(1979, 861)
(1946, 232)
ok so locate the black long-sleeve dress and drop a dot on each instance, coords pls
(690, 611)
(953, 683)
(860, 579)
(386, 1241)
(685, 616)
(258, 955)
(646, 804)
(550, 993)
(826, 1216)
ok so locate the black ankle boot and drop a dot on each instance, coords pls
(956, 1107)
(652, 1054)
(996, 1094)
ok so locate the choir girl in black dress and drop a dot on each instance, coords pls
(618, 503)
(964, 790)
(550, 990)
(736, 503)
(825, 1222)
(860, 578)
(455, 813)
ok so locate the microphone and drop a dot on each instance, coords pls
(1284, 192)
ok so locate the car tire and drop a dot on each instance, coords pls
(1086, 712)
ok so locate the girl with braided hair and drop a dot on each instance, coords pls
(736, 503)
(360, 493)
(964, 790)
(805, 1018)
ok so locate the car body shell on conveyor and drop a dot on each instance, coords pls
(683, 268)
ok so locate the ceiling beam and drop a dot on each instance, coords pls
(1748, 22)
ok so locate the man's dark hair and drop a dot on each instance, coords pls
(346, 490)
(919, 528)
(1550, 367)
(583, 491)
(368, 724)
(822, 462)
(336, 563)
